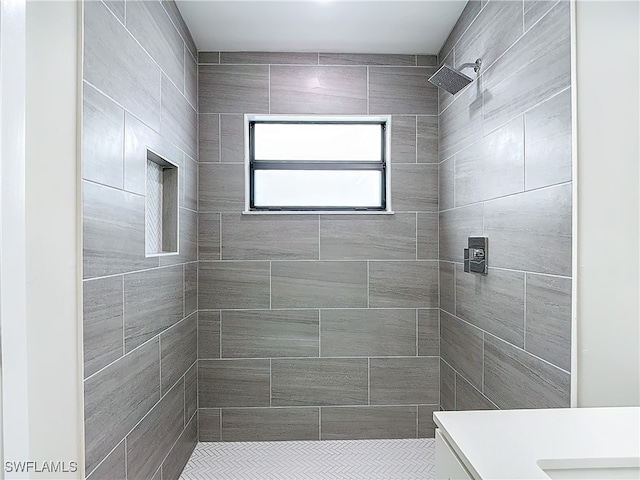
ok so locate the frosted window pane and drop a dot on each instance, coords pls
(318, 142)
(317, 188)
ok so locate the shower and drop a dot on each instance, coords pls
(453, 80)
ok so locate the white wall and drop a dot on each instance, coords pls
(608, 317)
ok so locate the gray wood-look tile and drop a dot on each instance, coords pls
(403, 284)
(414, 188)
(548, 142)
(208, 57)
(233, 383)
(269, 424)
(189, 183)
(117, 8)
(117, 65)
(208, 334)
(429, 332)
(264, 58)
(116, 399)
(281, 237)
(518, 225)
(318, 284)
(404, 381)
(176, 17)
(534, 69)
(471, 10)
(366, 59)
(455, 228)
(150, 24)
(495, 29)
(209, 425)
(153, 301)
(427, 60)
(461, 347)
(350, 423)
(269, 333)
(158, 474)
(190, 78)
(178, 351)
(500, 158)
(233, 285)
(102, 323)
(179, 120)
(363, 237)
(102, 139)
(208, 236)
(209, 137)
(233, 88)
(461, 122)
(447, 386)
(534, 10)
(319, 381)
(181, 452)
(232, 138)
(151, 440)
(403, 139)
(548, 324)
(190, 288)
(113, 231)
(368, 332)
(426, 424)
(446, 182)
(448, 287)
(428, 233)
(494, 303)
(190, 392)
(113, 467)
(469, 398)
(402, 90)
(516, 379)
(318, 90)
(221, 188)
(188, 232)
(427, 139)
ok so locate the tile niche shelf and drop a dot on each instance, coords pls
(161, 205)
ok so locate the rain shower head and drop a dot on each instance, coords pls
(453, 80)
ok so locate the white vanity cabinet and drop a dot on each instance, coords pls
(448, 465)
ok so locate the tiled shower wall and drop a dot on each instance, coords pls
(317, 326)
(140, 320)
(505, 172)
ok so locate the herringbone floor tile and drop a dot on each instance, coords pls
(327, 460)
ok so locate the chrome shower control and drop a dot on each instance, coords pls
(475, 257)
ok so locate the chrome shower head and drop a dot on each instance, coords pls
(453, 80)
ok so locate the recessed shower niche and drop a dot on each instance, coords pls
(161, 205)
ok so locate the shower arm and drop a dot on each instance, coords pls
(475, 65)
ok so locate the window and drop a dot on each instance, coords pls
(311, 164)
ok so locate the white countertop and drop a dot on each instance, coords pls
(509, 443)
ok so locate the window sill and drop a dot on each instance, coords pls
(316, 212)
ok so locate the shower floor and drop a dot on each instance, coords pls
(327, 460)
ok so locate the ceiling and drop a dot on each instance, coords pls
(331, 26)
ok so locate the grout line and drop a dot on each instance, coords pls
(126, 459)
(368, 381)
(270, 282)
(368, 289)
(524, 330)
(417, 335)
(269, 86)
(319, 423)
(319, 333)
(160, 361)
(219, 137)
(220, 335)
(270, 384)
(367, 90)
(482, 378)
(124, 324)
(220, 423)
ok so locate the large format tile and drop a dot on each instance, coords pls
(208, 137)
(548, 142)
(426, 424)
(516, 379)
(117, 7)
(232, 138)
(181, 452)
(265, 58)
(233, 88)
(269, 333)
(469, 398)
(176, 17)
(350, 423)
(116, 64)
(102, 139)
(190, 392)
(269, 424)
(116, 399)
(447, 386)
(178, 351)
(233, 285)
(367, 332)
(153, 301)
(534, 10)
(113, 467)
(429, 332)
(403, 284)
(494, 303)
(403, 139)
(427, 60)
(402, 90)
(113, 232)
(208, 57)
(209, 425)
(190, 288)
(188, 235)
(461, 122)
(461, 347)
(260, 237)
(548, 323)
(414, 188)
(364, 237)
(179, 120)
(189, 184)
(221, 188)
(318, 90)
(427, 236)
(427, 139)
(519, 225)
(151, 440)
(456, 226)
(404, 381)
(233, 383)
(446, 183)
(470, 12)
(448, 287)
(319, 381)
(366, 59)
(190, 78)
(102, 323)
(208, 236)
(318, 284)
(208, 334)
